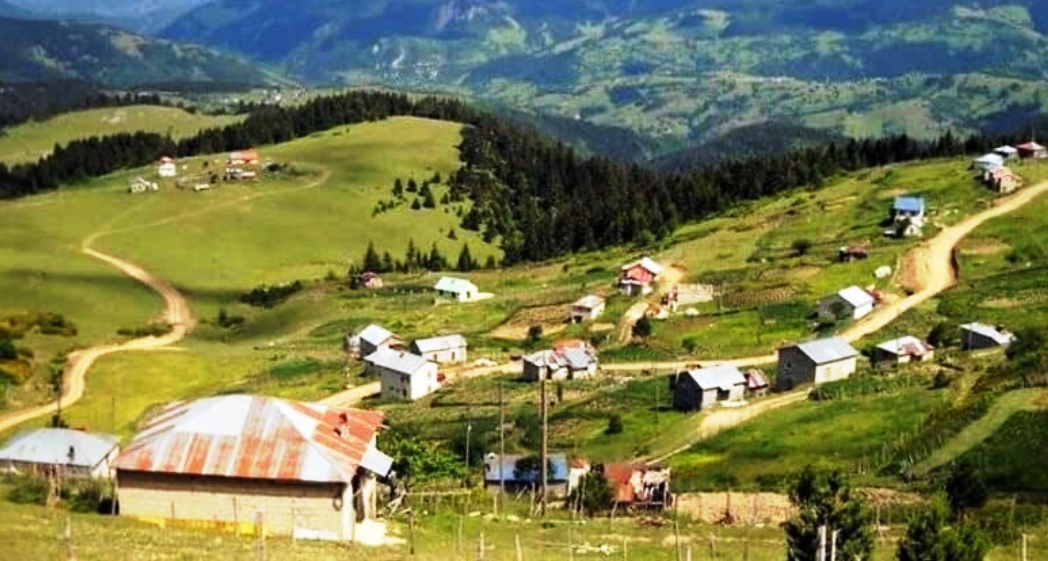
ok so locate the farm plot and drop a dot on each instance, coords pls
(552, 320)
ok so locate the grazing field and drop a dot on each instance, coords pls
(768, 289)
(840, 433)
(31, 141)
(1012, 459)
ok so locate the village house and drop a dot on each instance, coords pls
(403, 375)
(242, 158)
(140, 185)
(167, 167)
(638, 278)
(459, 290)
(756, 383)
(908, 216)
(637, 485)
(1006, 152)
(369, 280)
(976, 336)
(507, 474)
(567, 360)
(706, 387)
(65, 452)
(987, 162)
(1003, 180)
(850, 303)
(815, 362)
(301, 469)
(587, 308)
(441, 350)
(1032, 151)
(902, 350)
(375, 337)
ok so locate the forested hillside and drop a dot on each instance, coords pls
(538, 198)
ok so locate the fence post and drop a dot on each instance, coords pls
(260, 537)
(411, 531)
(68, 536)
(625, 548)
(676, 537)
(481, 553)
(520, 554)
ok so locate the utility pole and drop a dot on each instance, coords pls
(545, 436)
(469, 433)
(502, 445)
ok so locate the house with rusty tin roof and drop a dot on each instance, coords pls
(307, 469)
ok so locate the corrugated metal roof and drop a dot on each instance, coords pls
(832, 349)
(455, 285)
(1031, 146)
(375, 334)
(397, 361)
(53, 446)
(1000, 336)
(906, 345)
(721, 376)
(856, 296)
(434, 344)
(559, 471)
(909, 204)
(647, 264)
(579, 358)
(589, 302)
(254, 437)
(1006, 150)
(755, 379)
(990, 159)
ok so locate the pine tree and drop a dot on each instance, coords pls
(429, 202)
(928, 538)
(411, 257)
(398, 188)
(436, 261)
(465, 260)
(452, 235)
(826, 501)
(416, 205)
(371, 261)
(388, 265)
(412, 186)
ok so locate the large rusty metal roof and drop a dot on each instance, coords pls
(256, 437)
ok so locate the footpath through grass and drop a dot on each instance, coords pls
(31, 141)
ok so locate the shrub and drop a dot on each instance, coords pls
(28, 490)
(270, 296)
(614, 424)
(8, 350)
(534, 333)
(151, 329)
(801, 246)
(643, 328)
(228, 321)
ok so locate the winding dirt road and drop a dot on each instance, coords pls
(176, 311)
(934, 273)
(77, 363)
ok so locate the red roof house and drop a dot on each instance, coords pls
(637, 278)
(222, 459)
(243, 157)
(1032, 150)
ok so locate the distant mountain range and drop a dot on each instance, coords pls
(49, 50)
(136, 15)
(691, 70)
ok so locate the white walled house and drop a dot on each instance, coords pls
(167, 167)
(459, 290)
(403, 375)
(815, 362)
(375, 337)
(66, 452)
(854, 302)
(448, 349)
(587, 308)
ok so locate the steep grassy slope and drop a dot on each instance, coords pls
(31, 141)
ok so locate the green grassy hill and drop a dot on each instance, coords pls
(31, 141)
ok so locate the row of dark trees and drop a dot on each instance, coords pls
(539, 198)
(416, 260)
(21, 102)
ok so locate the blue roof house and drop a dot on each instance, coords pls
(908, 211)
(507, 469)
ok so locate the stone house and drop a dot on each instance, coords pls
(448, 349)
(227, 462)
(66, 452)
(815, 362)
(403, 375)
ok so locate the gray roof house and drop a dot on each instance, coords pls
(442, 350)
(975, 336)
(375, 337)
(705, 387)
(570, 363)
(67, 451)
(403, 375)
(815, 362)
(853, 302)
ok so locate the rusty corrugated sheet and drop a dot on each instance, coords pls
(254, 437)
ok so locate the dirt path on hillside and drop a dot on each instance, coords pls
(930, 266)
(176, 311)
(671, 276)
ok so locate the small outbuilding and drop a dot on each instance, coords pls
(815, 362)
(1032, 151)
(847, 254)
(65, 452)
(403, 375)
(902, 350)
(518, 473)
(851, 303)
(587, 308)
(243, 158)
(756, 383)
(561, 363)
(448, 349)
(987, 162)
(1003, 180)
(976, 336)
(1006, 152)
(706, 387)
(167, 167)
(369, 280)
(456, 289)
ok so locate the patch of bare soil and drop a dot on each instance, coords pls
(985, 247)
(601, 327)
(553, 319)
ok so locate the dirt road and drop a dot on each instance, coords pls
(934, 273)
(176, 313)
